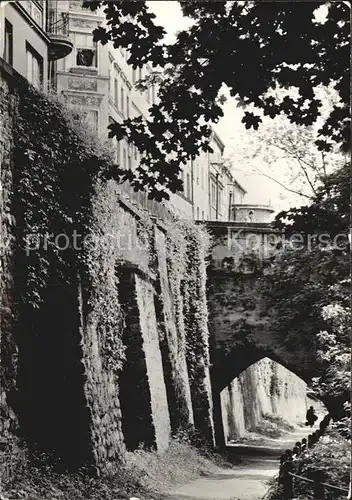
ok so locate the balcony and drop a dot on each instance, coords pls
(58, 30)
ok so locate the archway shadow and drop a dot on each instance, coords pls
(228, 366)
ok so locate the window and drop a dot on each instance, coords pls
(124, 158)
(213, 195)
(35, 10)
(93, 119)
(86, 50)
(86, 57)
(182, 177)
(127, 107)
(116, 92)
(116, 144)
(8, 45)
(122, 100)
(134, 76)
(111, 83)
(202, 214)
(188, 187)
(34, 69)
(118, 148)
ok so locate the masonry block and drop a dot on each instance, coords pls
(145, 414)
(171, 345)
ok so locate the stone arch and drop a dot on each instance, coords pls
(241, 327)
(228, 365)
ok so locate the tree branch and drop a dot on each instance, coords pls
(283, 186)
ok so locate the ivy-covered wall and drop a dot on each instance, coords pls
(109, 312)
(188, 248)
(8, 348)
(171, 332)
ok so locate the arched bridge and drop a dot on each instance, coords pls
(239, 321)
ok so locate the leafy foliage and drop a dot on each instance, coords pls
(329, 211)
(308, 287)
(296, 288)
(332, 456)
(272, 46)
(56, 174)
(66, 187)
(188, 247)
(286, 154)
(334, 346)
(26, 474)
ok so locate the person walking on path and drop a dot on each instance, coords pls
(311, 417)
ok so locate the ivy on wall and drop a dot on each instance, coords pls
(58, 174)
(71, 227)
(188, 246)
(116, 237)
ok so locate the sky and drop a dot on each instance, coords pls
(260, 190)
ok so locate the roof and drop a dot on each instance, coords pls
(236, 183)
(218, 141)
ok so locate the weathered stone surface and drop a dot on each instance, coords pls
(265, 388)
(8, 347)
(172, 346)
(82, 84)
(102, 394)
(145, 415)
(159, 407)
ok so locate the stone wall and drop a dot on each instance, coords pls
(172, 344)
(70, 400)
(145, 414)
(8, 347)
(101, 389)
(73, 396)
(265, 388)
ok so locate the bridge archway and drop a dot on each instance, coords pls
(230, 365)
(241, 328)
(265, 399)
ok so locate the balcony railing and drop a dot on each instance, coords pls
(58, 29)
(58, 23)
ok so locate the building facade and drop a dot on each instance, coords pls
(33, 36)
(55, 48)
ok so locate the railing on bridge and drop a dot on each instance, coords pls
(290, 464)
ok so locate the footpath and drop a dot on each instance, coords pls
(247, 480)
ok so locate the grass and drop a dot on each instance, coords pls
(273, 427)
(145, 475)
(180, 464)
(270, 427)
